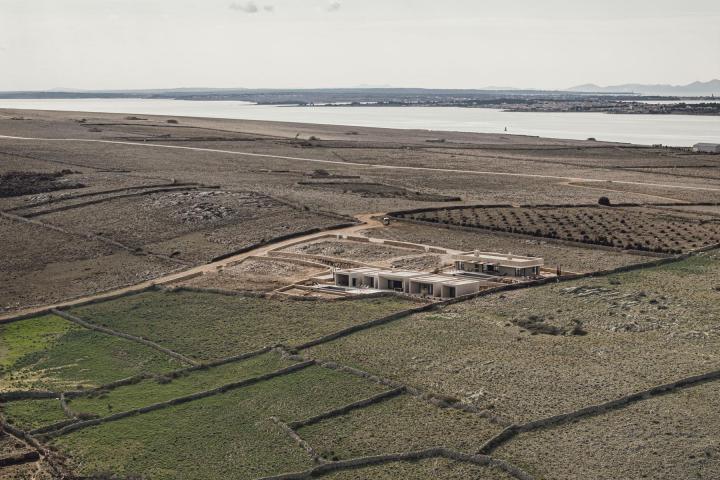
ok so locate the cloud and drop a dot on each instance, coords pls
(269, 8)
(333, 6)
(247, 7)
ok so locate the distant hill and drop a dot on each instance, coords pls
(693, 89)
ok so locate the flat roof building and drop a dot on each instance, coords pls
(408, 281)
(443, 286)
(356, 277)
(498, 264)
(706, 147)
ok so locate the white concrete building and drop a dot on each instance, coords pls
(443, 286)
(498, 264)
(356, 277)
(396, 280)
(407, 281)
(706, 147)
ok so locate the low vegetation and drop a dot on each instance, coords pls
(208, 326)
(400, 424)
(648, 331)
(165, 387)
(436, 468)
(31, 414)
(621, 227)
(51, 353)
(224, 436)
(664, 437)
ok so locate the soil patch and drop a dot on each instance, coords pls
(15, 184)
(381, 190)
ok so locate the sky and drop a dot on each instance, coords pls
(550, 44)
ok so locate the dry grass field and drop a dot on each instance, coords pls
(600, 376)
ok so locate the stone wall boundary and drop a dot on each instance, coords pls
(101, 192)
(28, 395)
(300, 242)
(556, 241)
(548, 422)
(290, 432)
(54, 461)
(437, 452)
(126, 336)
(177, 401)
(318, 258)
(270, 295)
(363, 326)
(91, 236)
(280, 238)
(336, 412)
(96, 201)
(441, 401)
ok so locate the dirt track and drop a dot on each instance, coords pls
(369, 165)
(366, 222)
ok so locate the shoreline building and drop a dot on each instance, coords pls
(706, 148)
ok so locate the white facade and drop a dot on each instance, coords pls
(443, 286)
(706, 148)
(406, 281)
(498, 264)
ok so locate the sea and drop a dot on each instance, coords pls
(670, 130)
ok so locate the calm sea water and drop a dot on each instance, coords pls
(674, 130)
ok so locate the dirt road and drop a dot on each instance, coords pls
(366, 222)
(366, 165)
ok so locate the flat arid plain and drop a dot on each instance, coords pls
(166, 311)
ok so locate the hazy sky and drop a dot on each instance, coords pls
(106, 44)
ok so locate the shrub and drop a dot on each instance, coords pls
(604, 201)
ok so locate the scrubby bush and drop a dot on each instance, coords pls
(604, 201)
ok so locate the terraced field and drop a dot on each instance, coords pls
(208, 326)
(606, 376)
(49, 352)
(628, 228)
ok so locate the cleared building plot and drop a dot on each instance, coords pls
(351, 250)
(572, 258)
(259, 274)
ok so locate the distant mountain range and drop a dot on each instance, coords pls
(693, 89)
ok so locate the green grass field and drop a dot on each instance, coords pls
(160, 389)
(31, 414)
(49, 352)
(21, 338)
(225, 436)
(435, 468)
(398, 424)
(210, 326)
